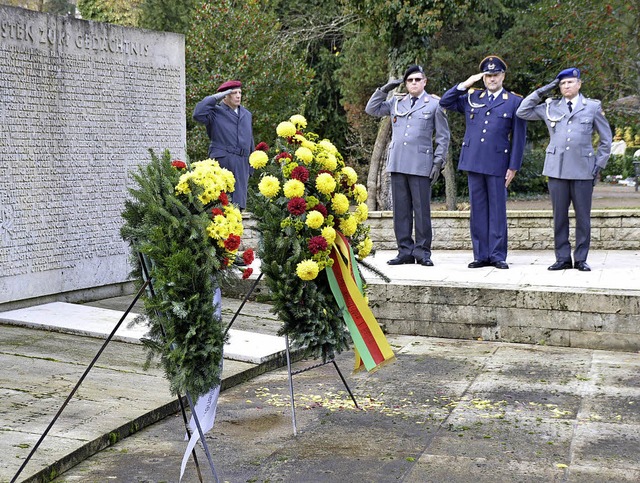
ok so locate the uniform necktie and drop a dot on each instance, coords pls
(490, 98)
(569, 106)
(413, 101)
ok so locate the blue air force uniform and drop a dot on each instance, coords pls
(231, 135)
(493, 142)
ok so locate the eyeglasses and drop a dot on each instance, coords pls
(415, 79)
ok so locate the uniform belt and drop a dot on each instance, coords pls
(230, 149)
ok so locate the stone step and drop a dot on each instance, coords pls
(526, 303)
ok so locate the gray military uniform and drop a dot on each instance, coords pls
(570, 162)
(411, 158)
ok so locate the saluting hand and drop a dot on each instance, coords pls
(548, 88)
(472, 80)
(389, 86)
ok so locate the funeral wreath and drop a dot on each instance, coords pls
(182, 227)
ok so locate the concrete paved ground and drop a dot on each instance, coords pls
(444, 411)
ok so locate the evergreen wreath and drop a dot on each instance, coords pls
(179, 218)
(304, 197)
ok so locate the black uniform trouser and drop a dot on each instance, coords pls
(579, 193)
(411, 197)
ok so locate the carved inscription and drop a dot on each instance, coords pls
(80, 105)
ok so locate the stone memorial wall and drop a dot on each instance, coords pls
(81, 103)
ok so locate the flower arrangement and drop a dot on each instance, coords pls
(307, 198)
(180, 221)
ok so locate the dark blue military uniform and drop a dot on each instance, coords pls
(231, 136)
(493, 142)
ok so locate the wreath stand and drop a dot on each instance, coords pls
(299, 371)
(288, 354)
(147, 285)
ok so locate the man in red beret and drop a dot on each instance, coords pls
(229, 126)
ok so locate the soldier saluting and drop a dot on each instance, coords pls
(491, 155)
(571, 163)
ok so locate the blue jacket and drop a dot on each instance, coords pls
(495, 137)
(231, 138)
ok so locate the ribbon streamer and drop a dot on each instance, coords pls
(371, 346)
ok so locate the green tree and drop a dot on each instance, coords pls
(317, 29)
(60, 7)
(602, 39)
(120, 12)
(241, 41)
(167, 15)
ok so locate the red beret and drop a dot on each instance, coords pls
(232, 84)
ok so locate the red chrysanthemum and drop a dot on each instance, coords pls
(232, 242)
(179, 164)
(297, 206)
(317, 244)
(322, 209)
(262, 146)
(224, 199)
(293, 140)
(248, 256)
(216, 211)
(283, 154)
(246, 273)
(300, 173)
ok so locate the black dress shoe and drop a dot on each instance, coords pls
(583, 267)
(479, 264)
(401, 260)
(426, 261)
(561, 265)
(502, 265)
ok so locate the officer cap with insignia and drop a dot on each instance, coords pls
(570, 72)
(493, 65)
(410, 70)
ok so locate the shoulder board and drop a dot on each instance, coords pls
(435, 97)
(472, 90)
(516, 94)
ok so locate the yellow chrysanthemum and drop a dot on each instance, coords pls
(329, 234)
(307, 270)
(258, 159)
(364, 248)
(299, 121)
(305, 143)
(327, 146)
(294, 189)
(360, 193)
(348, 225)
(209, 176)
(340, 203)
(300, 139)
(304, 154)
(216, 231)
(183, 186)
(350, 174)
(314, 219)
(330, 162)
(269, 186)
(362, 212)
(286, 129)
(325, 183)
